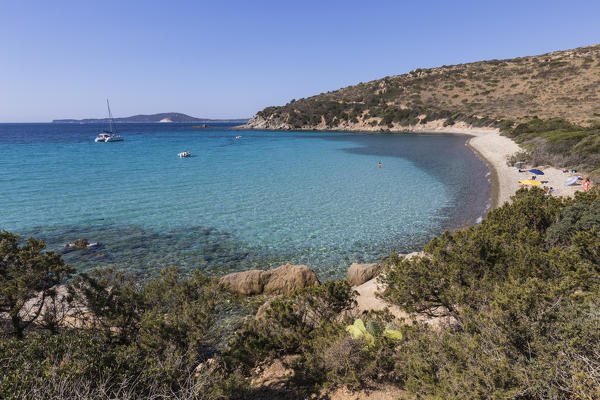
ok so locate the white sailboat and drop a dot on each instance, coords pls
(108, 135)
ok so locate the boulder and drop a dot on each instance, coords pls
(246, 282)
(287, 278)
(361, 273)
(281, 280)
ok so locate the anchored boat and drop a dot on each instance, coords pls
(108, 135)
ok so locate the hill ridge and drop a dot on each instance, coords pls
(499, 93)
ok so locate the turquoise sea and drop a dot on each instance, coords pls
(258, 201)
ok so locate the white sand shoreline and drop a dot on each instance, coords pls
(495, 150)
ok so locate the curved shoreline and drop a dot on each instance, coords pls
(494, 149)
(488, 144)
(479, 142)
(494, 178)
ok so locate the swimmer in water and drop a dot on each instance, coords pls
(379, 164)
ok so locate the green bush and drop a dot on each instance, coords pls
(521, 294)
(288, 321)
(559, 143)
(133, 339)
(28, 280)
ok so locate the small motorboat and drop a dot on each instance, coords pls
(184, 154)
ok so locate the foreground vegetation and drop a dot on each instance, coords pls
(515, 300)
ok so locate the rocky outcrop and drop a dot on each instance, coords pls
(80, 243)
(271, 123)
(416, 254)
(281, 280)
(360, 273)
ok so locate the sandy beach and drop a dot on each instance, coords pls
(495, 149)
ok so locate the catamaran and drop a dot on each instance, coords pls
(108, 135)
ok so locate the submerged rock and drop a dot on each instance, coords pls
(361, 273)
(80, 243)
(281, 280)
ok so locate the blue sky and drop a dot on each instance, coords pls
(227, 59)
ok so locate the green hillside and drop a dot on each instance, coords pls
(561, 84)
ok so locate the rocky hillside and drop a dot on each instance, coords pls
(562, 84)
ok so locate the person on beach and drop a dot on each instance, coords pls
(586, 185)
(379, 164)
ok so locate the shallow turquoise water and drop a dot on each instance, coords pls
(269, 197)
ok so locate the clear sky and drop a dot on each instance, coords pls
(228, 59)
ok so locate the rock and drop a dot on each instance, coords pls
(206, 368)
(246, 282)
(287, 278)
(416, 254)
(360, 273)
(262, 310)
(80, 243)
(281, 280)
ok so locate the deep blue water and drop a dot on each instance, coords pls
(267, 198)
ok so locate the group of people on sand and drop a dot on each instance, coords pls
(549, 189)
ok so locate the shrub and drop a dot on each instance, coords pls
(520, 287)
(518, 157)
(288, 321)
(28, 279)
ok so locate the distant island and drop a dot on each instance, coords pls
(161, 117)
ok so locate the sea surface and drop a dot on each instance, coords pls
(258, 201)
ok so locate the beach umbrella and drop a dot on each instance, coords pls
(536, 171)
(571, 180)
(530, 182)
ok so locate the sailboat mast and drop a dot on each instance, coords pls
(110, 117)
